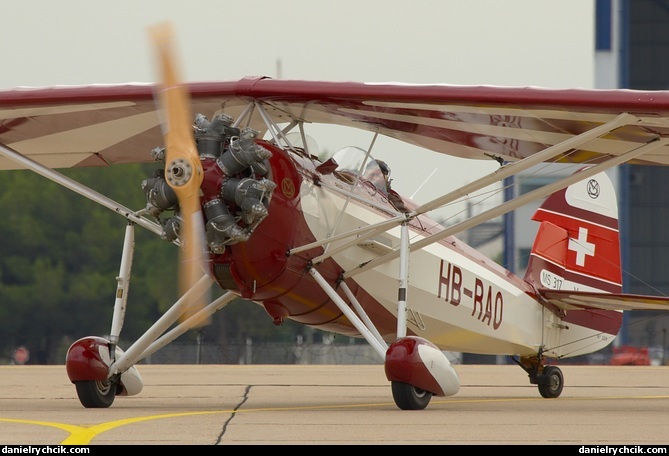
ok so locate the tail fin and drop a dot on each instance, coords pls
(577, 246)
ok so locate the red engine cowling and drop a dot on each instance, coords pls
(253, 217)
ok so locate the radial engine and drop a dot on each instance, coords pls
(236, 189)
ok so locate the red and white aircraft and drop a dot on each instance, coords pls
(324, 241)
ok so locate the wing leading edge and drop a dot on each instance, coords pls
(100, 125)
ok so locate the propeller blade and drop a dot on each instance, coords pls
(183, 169)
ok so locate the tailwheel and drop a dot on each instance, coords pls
(409, 397)
(551, 382)
(96, 393)
(549, 379)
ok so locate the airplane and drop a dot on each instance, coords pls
(324, 241)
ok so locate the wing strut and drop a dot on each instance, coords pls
(546, 155)
(497, 176)
(514, 204)
(79, 188)
(359, 234)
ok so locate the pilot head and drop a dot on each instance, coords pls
(385, 169)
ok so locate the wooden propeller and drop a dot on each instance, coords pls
(183, 169)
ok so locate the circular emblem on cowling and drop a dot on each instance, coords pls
(593, 188)
(288, 188)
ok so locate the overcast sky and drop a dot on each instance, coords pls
(497, 42)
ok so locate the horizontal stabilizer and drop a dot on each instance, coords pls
(571, 299)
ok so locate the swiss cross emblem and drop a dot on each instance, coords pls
(581, 246)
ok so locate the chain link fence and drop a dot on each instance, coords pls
(264, 353)
(186, 352)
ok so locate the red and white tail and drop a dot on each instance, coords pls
(577, 246)
(577, 249)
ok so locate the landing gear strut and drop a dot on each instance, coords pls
(549, 379)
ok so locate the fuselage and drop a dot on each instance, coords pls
(457, 298)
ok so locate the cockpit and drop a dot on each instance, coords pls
(351, 159)
(352, 162)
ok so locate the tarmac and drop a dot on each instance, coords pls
(601, 407)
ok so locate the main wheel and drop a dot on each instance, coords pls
(408, 397)
(96, 394)
(555, 381)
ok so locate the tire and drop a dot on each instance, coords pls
(96, 394)
(408, 397)
(554, 383)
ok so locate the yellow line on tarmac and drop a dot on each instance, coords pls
(65, 427)
(80, 435)
(83, 435)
